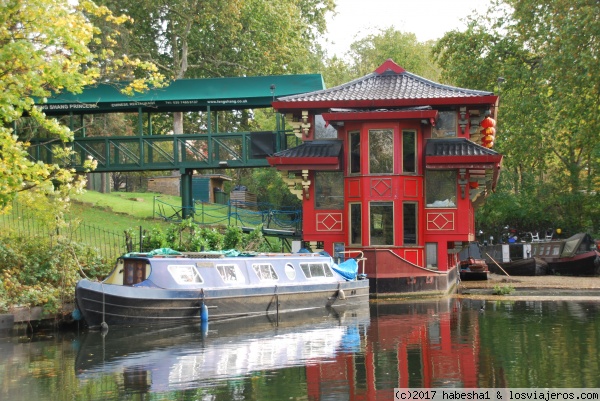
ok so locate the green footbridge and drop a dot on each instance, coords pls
(208, 148)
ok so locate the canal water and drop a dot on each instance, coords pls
(360, 354)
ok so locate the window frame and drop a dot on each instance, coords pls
(415, 206)
(318, 190)
(414, 151)
(352, 230)
(272, 272)
(177, 276)
(354, 163)
(390, 148)
(430, 185)
(386, 204)
(237, 273)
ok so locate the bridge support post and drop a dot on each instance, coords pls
(187, 201)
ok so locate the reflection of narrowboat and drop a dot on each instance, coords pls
(198, 355)
(513, 259)
(472, 266)
(574, 256)
(156, 288)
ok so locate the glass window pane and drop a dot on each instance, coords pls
(445, 125)
(409, 155)
(354, 159)
(322, 131)
(382, 223)
(440, 188)
(409, 220)
(431, 255)
(355, 223)
(381, 151)
(329, 188)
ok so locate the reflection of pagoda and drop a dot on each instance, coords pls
(406, 345)
(393, 165)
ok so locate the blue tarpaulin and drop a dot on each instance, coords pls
(348, 269)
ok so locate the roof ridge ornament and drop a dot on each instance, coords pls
(389, 66)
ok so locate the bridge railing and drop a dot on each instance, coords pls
(163, 152)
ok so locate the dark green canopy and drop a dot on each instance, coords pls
(186, 95)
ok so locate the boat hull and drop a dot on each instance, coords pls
(123, 305)
(584, 264)
(522, 267)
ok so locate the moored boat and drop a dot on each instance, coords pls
(472, 266)
(513, 259)
(174, 288)
(575, 256)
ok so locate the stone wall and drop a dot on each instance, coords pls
(167, 185)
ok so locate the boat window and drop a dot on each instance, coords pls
(265, 271)
(185, 274)
(316, 269)
(134, 272)
(548, 249)
(230, 274)
(290, 272)
(556, 251)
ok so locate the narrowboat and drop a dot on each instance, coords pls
(173, 288)
(514, 259)
(575, 256)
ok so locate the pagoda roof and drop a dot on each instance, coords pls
(388, 86)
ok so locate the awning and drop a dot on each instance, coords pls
(320, 155)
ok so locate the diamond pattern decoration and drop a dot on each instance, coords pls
(442, 221)
(329, 221)
(381, 187)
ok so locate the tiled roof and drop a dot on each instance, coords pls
(389, 82)
(331, 148)
(456, 147)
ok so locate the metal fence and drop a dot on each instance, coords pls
(109, 244)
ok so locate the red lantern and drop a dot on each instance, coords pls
(487, 139)
(488, 131)
(487, 122)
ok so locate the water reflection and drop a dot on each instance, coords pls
(357, 354)
(160, 360)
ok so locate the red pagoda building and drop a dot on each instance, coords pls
(393, 165)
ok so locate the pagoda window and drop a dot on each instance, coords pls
(431, 255)
(409, 152)
(355, 224)
(409, 223)
(323, 130)
(440, 188)
(329, 188)
(381, 221)
(381, 151)
(445, 125)
(354, 149)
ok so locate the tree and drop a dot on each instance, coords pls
(546, 51)
(404, 48)
(214, 38)
(47, 47)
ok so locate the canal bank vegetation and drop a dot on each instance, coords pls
(41, 267)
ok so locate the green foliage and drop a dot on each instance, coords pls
(548, 122)
(189, 237)
(35, 272)
(233, 237)
(503, 289)
(47, 47)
